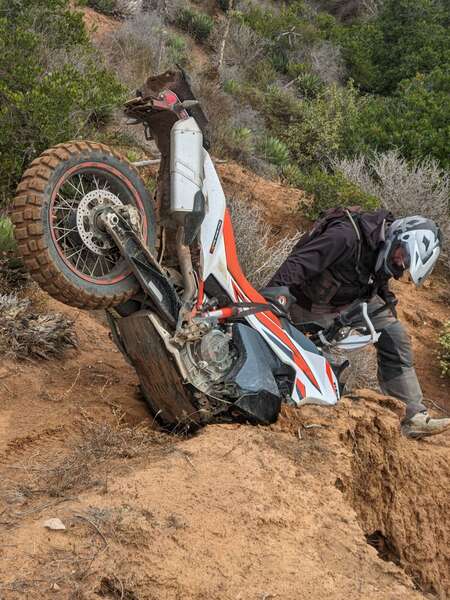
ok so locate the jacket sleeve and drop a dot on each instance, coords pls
(314, 257)
(387, 295)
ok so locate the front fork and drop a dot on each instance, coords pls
(123, 225)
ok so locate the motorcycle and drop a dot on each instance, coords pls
(204, 343)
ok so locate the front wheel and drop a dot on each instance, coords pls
(54, 213)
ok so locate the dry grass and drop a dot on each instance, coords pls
(362, 372)
(260, 255)
(142, 45)
(25, 333)
(99, 444)
(405, 188)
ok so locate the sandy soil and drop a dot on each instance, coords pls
(326, 503)
(235, 512)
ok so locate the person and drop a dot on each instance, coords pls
(351, 255)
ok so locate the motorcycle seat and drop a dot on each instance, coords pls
(280, 296)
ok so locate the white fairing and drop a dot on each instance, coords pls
(315, 381)
(186, 166)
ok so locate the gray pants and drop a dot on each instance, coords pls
(396, 374)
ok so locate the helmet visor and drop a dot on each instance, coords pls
(399, 259)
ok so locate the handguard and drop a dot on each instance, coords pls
(330, 337)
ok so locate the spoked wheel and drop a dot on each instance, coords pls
(55, 214)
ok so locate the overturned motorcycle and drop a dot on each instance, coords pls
(203, 341)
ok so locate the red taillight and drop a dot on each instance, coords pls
(170, 98)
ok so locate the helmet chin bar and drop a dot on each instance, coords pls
(420, 238)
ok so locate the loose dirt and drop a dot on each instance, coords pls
(326, 503)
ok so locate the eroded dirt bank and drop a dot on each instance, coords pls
(235, 512)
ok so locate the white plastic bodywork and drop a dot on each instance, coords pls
(186, 166)
(315, 383)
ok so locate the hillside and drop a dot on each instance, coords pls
(326, 503)
(294, 511)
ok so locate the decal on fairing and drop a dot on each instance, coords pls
(216, 237)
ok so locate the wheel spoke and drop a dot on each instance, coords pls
(75, 188)
(80, 177)
(69, 206)
(67, 233)
(97, 259)
(74, 253)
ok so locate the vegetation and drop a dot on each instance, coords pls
(53, 84)
(198, 24)
(329, 189)
(108, 7)
(444, 349)
(356, 79)
(7, 242)
(302, 90)
(260, 255)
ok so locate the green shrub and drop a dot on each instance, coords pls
(274, 151)
(407, 37)
(7, 242)
(415, 119)
(290, 29)
(444, 349)
(53, 84)
(224, 5)
(328, 190)
(197, 24)
(107, 7)
(241, 140)
(176, 50)
(309, 85)
(320, 127)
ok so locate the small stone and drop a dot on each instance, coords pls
(55, 587)
(54, 524)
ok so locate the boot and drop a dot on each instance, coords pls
(422, 425)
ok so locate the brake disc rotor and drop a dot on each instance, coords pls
(93, 238)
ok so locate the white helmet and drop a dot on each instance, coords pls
(412, 244)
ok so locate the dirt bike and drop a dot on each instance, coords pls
(202, 340)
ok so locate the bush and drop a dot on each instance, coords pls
(287, 29)
(197, 24)
(414, 119)
(274, 151)
(141, 45)
(107, 7)
(26, 334)
(244, 50)
(319, 128)
(407, 37)
(405, 188)
(444, 350)
(329, 190)
(44, 101)
(260, 254)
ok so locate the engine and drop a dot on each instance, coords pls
(237, 365)
(208, 359)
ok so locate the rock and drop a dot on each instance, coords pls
(55, 587)
(54, 524)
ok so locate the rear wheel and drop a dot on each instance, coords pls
(54, 213)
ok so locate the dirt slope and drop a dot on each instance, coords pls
(327, 503)
(235, 512)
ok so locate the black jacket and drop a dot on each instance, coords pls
(333, 268)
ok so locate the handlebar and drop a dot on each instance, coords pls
(356, 316)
